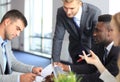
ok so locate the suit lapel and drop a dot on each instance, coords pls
(83, 16)
(113, 52)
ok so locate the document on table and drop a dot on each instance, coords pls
(45, 72)
(48, 71)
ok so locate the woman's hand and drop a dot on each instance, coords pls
(93, 59)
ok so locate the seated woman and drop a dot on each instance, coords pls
(106, 76)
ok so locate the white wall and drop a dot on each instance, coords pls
(114, 6)
(102, 4)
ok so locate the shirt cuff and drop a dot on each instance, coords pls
(32, 69)
(104, 76)
(18, 78)
(69, 67)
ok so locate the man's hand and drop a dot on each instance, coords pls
(28, 77)
(63, 66)
(37, 70)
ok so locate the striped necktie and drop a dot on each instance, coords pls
(77, 21)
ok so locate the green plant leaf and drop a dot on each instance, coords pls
(69, 77)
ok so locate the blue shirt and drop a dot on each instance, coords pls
(2, 44)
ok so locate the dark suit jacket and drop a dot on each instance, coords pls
(111, 60)
(110, 64)
(80, 39)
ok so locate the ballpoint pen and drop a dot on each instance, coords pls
(80, 59)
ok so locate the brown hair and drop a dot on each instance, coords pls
(13, 15)
(116, 18)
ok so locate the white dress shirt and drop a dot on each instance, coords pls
(77, 17)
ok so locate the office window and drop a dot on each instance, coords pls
(38, 33)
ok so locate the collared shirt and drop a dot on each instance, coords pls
(109, 47)
(77, 17)
(3, 43)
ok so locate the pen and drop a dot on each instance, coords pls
(80, 59)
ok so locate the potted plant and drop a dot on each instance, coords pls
(69, 77)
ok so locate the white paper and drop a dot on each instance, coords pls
(39, 79)
(47, 70)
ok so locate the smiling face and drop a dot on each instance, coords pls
(13, 28)
(71, 8)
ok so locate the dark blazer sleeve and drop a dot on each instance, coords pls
(58, 37)
(111, 65)
(111, 61)
(83, 68)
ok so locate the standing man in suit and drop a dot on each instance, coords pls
(12, 24)
(79, 20)
(104, 40)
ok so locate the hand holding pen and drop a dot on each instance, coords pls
(92, 59)
(82, 57)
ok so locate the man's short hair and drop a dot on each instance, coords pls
(14, 15)
(105, 18)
